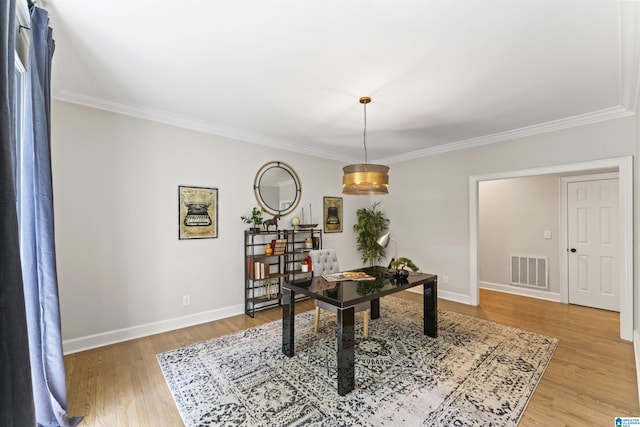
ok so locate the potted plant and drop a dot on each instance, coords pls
(304, 266)
(254, 219)
(402, 266)
(371, 224)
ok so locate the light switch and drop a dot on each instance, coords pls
(547, 234)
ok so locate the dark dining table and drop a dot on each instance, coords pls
(345, 295)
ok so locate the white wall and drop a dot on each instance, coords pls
(122, 270)
(513, 215)
(430, 196)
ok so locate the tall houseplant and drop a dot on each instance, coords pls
(371, 224)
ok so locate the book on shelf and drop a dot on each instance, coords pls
(257, 270)
(279, 246)
(347, 275)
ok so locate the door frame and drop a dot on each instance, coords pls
(564, 226)
(625, 225)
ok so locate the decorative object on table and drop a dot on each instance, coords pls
(269, 222)
(402, 266)
(347, 275)
(371, 224)
(308, 243)
(304, 266)
(365, 178)
(332, 214)
(254, 219)
(277, 188)
(476, 372)
(197, 212)
(384, 240)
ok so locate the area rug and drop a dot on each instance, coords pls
(476, 373)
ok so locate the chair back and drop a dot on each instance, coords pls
(324, 261)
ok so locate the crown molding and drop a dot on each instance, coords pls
(165, 117)
(241, 135)
(630, 54)
(629, 94)
(566, 123)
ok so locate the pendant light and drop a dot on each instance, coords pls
(365, 178)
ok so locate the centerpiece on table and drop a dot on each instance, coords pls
(402, 266)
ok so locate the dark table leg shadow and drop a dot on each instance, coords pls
(288, 317)
(346, 351)
(430, 298)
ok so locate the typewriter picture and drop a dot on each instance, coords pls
(197, 215)
(198, 212)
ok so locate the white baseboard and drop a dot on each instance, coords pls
(636, 351)
(533, 293)
(111, 337)
(449, 296)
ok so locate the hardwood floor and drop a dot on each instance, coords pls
(590, 380)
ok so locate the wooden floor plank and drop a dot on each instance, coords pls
(589, 381)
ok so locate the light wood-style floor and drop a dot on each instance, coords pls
(590, 380)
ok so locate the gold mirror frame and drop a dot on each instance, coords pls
(277, 181)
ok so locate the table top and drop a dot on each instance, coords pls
(351, 292)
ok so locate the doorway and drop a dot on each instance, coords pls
(624, 232)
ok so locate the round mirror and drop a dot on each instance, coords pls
(277, 188)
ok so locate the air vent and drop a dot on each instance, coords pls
(531, 271)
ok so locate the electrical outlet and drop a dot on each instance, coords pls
(186, 299)
(445, 280)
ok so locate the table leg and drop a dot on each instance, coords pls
(431, 308)
(375, 308)
(346, 351)
(288, 320)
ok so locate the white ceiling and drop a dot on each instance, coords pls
(443, 74)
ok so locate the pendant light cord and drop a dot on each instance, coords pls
(365, 133)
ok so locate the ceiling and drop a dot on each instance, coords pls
(443, 75)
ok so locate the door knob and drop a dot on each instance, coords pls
(573, 250)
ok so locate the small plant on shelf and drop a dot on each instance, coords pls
(254, 219)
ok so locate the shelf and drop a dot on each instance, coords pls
(260, 300)
(283, 268)
(272, 276)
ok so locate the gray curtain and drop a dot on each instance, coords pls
(36, 227)
(16, 397)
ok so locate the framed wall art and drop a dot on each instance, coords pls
(197, 212)
(332, 214)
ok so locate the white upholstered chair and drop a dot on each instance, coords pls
(325, 261)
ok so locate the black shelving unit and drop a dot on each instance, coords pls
(265, 274)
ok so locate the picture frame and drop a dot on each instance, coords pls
(197, 212)
(332, 214)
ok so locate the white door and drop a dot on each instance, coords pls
(592, 209)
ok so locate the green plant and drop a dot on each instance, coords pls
(371, 224)
(255, 218)
(402, 262)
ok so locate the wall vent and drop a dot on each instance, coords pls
(531, 271)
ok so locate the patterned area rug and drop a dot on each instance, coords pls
(476, 373)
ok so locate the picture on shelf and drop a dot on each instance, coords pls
(197, 212)
(332, 214)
